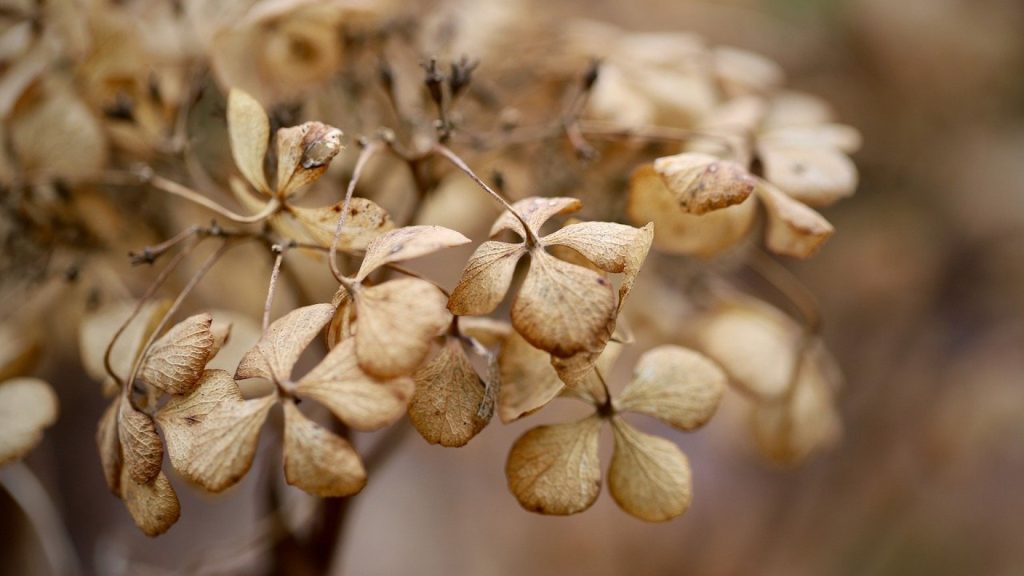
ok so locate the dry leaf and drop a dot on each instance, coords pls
(356, 398)
(396, 322)
(678, 232)
(562, 308)
(536, 211)
(449, 393)
(109, 446)
(213, 432)
(317, 460)
(555, 469)
(27, 407)
(486, 278)
(676, 385)
(793, 228)
(528, 382)
(703, 183)
(303, 154)
(279, 349)
(154, 506)
(649, 477)
(141, 448)
(405, 244)
(249, 133)
(176, 360)
(364, 222)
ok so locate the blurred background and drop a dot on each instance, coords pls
(922, 292)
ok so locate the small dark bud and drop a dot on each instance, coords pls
(461, 75)
(591, 75)
(434, 80)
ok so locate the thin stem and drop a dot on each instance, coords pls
(157, 283)
(192, 283)
(783, 280)
(149, 254)
(281, 251)
(364, 156)
(606, 402)
(531, 236)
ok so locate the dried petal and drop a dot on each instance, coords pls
(303, 154)
(702, 183)
(317, 460)
(678, 386)
(528, 382)
(815, 174)
(397, 321)
(405, 244)
(793, 228)
(249, 132)
(364, 222)
(679, 232)
(175, 361)
(448, 397)
(555, 469)
(154, 506)
(109, 446)
(98, 328)
(279, 349)
(536, 211)
(486, 278)
(19, 349)
(141, 448)
(212, 433)
(488, 331)
(27, 407)
(562, 308)
(818, 135)
(356, 398)
(649, 477)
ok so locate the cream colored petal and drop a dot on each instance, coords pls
(318, 461)
(486, 278)
(109, 446)
(528, 382)
(555, 469)
(141, 448)
(396, 322)
(304, 153)
(649, 477)
(817, 175)
(279, 349)
(249, 134)
(703, 183)
(19, 350)
(611, 247)
(562, 308)
(27, 407)
(213, 432)
(742, 72)
(536, 211)
(405, 244)
(356, 398)
(793, 229)
(446, 407)
(679, 386)
(365, 221)
(177, 359)
(841, 137)
(154, 506)
(678, 232)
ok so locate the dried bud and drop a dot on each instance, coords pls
(461, 75)
(434, 80)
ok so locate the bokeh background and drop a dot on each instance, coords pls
(922, 291)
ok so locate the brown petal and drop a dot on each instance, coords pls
(356, 398)
(793, 228)
(679, 386)
(317, 460)
(405, 244)
(303, 154)
(536, 211)
(364, 222)
(562, 308)
(27, 407)
(611, 247)
(396, 322)
(141, 448)
(488, 331)
(555, 469)
(703, 183)
(486, 278)
(279, 349)
(99, 327)
(212, 433)
(175, 361)
(681, 233)
(528, 382)
(649, 477)
(446, 405)
(154, 506)
(249, 133)
(109, 446)
(817, 175)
